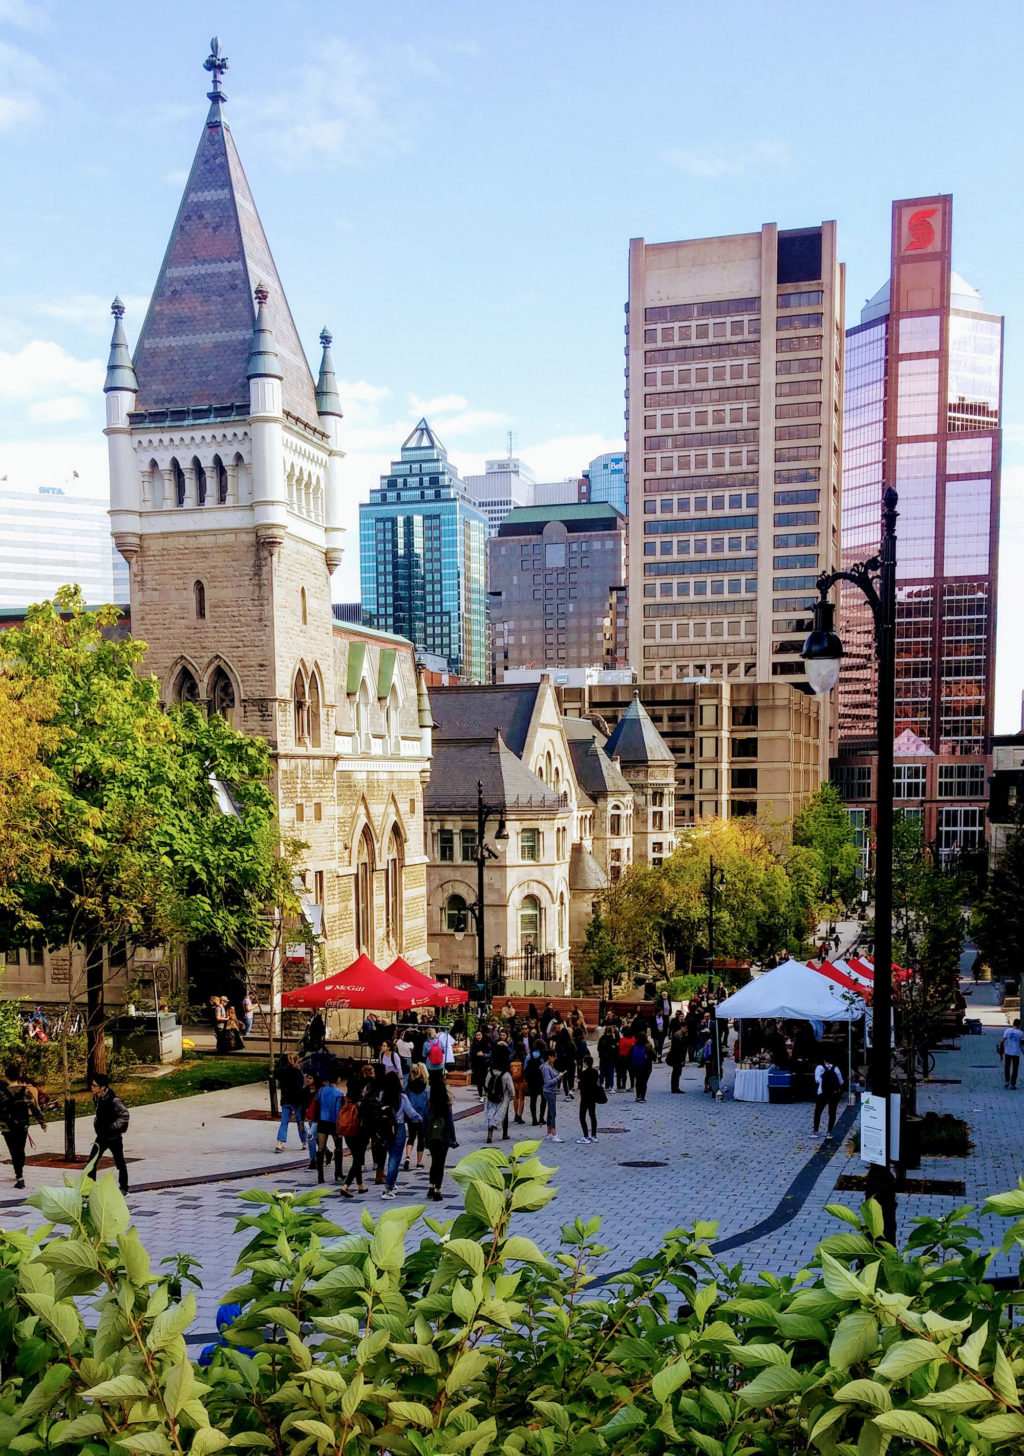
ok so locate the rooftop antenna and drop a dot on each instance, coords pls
(513, 441)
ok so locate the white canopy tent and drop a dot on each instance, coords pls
(792, 990)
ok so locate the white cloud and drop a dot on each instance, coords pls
(566, 455)
(329, 110)
(27, 464)
(25, 14)
(441, 404)
(716, 162)
(89, 311)
(471, 422)
(58, 411)
(23, 80)
(43, 368)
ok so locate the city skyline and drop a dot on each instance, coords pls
(472, 344)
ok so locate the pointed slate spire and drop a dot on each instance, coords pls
(327, 399)
(120, 370)
(635, 739)
(263, 360)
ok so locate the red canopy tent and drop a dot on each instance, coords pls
(442, 995)
(362, 986)
(899, 973)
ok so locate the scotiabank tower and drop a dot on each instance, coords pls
(922, 403)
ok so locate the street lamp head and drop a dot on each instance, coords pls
(822, 651)
(502, 831)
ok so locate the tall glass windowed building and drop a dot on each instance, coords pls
(922, 412)
(50, 538)
(422, 560)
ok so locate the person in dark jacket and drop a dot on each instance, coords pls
(675, 1057)
(289, 1079)
(607, 1049)
(534, 1074)
(440, 1131)
(589, 1084)
(479, 1061)
(642, 1059)
(18, 1106)
(110, 1124)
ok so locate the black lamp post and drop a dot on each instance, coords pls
(484, 813)
(822, 652)
(716, 881)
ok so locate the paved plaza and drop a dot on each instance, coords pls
(757, 1169)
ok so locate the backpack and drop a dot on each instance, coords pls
(385, 1125)
(437, 1129)
(830, 1084)
(435, 1056)
(348, 1119)
(638, 1056)
(14, 1112)
(495, 1088)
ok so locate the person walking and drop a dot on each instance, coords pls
(551, 1080)
(288, 1076)
(624, 1066)
(500, 1091)
(607, 1048)
(533, 1073)
(642, 1059)
(362, 1097)
(395, 1101)
(479, 1061)
(566, 1063)
(248, 1012)
(440, 1132)
(828, 1082)
(390, 1060)
(1009, 1050)
(417, 1092)
(517, 1071)
(220, 1021)
(675, 1057)
(329, 1103)
(110, 1124)
(591, 1092)
(18, 1106)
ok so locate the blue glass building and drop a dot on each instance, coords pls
(422, 558)
(607, 476)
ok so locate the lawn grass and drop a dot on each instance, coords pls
(183, 1082)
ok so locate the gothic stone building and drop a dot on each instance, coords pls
(225, 493)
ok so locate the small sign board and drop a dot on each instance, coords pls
(295, 952)
(872, 1129)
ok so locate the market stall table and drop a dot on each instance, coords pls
(751, 1084)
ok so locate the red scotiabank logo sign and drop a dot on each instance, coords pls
(922, 234)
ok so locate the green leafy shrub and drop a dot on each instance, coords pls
(474, 1341)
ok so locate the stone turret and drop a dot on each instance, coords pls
(121, 388)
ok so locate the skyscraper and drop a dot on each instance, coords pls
(734, 408)
(421, 556)
(51, 538)
(923, 385)
(552, 572)
(607, 476)
(505, 484)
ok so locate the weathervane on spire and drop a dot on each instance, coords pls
(217, 65)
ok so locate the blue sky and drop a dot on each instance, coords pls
(452, 187)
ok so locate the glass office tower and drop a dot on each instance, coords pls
(422, 557)
(923, 383)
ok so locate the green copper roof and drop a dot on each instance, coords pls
(594, 513)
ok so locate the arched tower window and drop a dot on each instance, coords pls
(454, 915)
(313, 711)
(199, 592)
(242, 481)
(393, 888)
(156, 486)
(561, 921)
(221, 475)
(302, 602)
(529, 923)
(222, 695)
(184, 689)
(300, 708)
(179, 482)
(364, 894)
(200, 475)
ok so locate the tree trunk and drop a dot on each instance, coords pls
(96, 1021)
(70, 1151)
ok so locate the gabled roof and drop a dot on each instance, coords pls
(457, 768)
(465, 714)
(594, 769)
(194, 344)
(636, 740)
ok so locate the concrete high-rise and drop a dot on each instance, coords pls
(923, 387)
(422, 557)
(505, 484)
(52, 537)
(734, 409)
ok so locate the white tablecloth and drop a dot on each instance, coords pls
(751, 1085)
